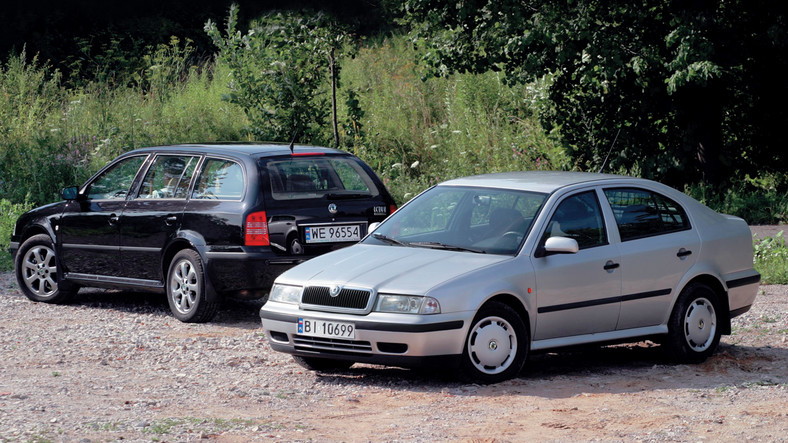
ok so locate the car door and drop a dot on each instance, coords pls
(577, 293)
(152, 217)
(657, 249)
(88, 231)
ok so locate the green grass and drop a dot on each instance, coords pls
(771, 259)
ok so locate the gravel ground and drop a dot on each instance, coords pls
(115, 365)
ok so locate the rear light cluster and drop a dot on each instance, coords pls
(392, 209)
(256, 229)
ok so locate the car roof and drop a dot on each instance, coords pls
(254, 149)
(537, 181)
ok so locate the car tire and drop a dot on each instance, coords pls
(37, 272)
(694, 326)
(186, 291)
(496, 346)
(322, 364)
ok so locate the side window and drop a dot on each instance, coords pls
(220, 179)
(168, 177)
(642, 213)
(114, 183)
(579, 217)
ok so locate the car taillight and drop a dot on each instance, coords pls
(392, 209)
(256, 229)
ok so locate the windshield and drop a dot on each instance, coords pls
(335, 177)
(481, 220)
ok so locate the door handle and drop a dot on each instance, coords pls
(683, 253)
(610, 265)
(170, 220)
(113, 219)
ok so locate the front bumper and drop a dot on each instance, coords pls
(386, 339)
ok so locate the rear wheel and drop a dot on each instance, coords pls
(37, 272)
(497, 344)
(186, 292)
(322, 364)
(694, 326)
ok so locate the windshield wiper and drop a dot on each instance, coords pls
(439, 245)
(389, 240)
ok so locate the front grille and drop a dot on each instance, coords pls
(305, 343)
(347, 298)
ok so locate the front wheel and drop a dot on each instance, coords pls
(497, 344)
(186, 293)
(694, 326)
(37, 271)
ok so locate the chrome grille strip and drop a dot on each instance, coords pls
(332, 344)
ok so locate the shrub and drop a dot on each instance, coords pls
(771, 259)
(9, 212)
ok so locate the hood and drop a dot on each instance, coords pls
(396, 269)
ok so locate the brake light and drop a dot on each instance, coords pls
(256, 229)
(392, 209)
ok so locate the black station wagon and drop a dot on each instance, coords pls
(197, 222)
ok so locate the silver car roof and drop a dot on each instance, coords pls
(537, 181)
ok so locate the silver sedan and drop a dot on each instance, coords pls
(475, 273)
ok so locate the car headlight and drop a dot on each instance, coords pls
(285, 294)
(407, 304)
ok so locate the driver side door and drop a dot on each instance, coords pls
(88, 232)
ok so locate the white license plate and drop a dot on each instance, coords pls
(333, 233)
(328, 329)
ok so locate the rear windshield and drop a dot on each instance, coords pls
(318, 177)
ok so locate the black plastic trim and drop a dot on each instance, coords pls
(603, 301)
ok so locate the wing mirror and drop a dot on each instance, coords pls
(70, 193)
(372, 227)
(561, 245)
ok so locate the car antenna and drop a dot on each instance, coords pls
(609, 151)
(292, 142)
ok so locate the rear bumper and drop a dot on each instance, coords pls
(742, 289)
(246, 274)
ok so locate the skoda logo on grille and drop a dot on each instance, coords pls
(335, 290)
(332, 208)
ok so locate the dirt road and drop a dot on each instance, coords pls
(116, 366)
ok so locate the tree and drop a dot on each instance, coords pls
(280, 69)
(671, 79)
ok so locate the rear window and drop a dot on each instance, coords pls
(318, 177)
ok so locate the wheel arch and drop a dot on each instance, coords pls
(514, 303)
(195, 242)
(722, 297)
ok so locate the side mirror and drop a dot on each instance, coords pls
(70, 193)
(561, 245)
(372, 227)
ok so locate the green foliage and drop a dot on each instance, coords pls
(9, 212)
(693, 87)
(758, 201)
(280, 70)
(771, 259)
(52, 136)
(420, 132)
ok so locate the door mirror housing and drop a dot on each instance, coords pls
(561, 245)
(70, 193)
